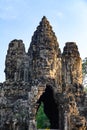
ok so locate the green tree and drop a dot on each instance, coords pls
(42, 119)
(84, 71)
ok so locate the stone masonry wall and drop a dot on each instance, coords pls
(43, 74)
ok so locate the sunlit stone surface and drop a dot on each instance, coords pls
(43, 74)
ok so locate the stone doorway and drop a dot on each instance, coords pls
(50, 107)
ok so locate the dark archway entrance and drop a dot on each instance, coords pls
(50, 107)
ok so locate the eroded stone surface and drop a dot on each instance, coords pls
(43, 75)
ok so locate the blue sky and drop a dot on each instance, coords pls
(19, 19)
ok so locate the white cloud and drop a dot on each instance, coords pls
(71, 25)
(7, 12)
(11, 9)
(60, 14)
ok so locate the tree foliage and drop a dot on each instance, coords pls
(42, 119)
(84, 70)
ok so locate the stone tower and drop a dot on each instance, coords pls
(17, 64)
(44, 54)
(44, 74)
(45, 63)
(15, 51)
(72, 64)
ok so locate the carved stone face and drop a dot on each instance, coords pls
(43, 75)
